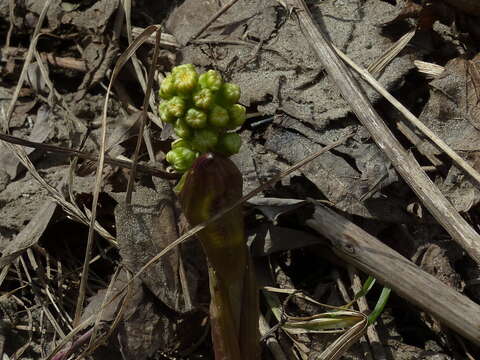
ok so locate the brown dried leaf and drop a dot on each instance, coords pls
(473, 92)
(40, 132)
(30, 233)
(143, 230)
(452, 113)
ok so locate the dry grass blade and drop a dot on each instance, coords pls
(429, 69)
(104, 303)
(404, 163)
(101, 160)
(69, 208)
(336, 349)
(457, 159)
(167, 40)
(143, 117)
(326, 323)
(127, 7)
(22, 349)
(72, 152)
(28, 59)
(390, 54)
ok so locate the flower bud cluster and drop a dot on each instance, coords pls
(203, 110)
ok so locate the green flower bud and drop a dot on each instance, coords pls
(185, 81)
(181, 143)
(164, 112)
(203, 99)
(167, 87)
(230, 93)
(181, 158)
(230, 143)
(176, 106)
(211, 80)
(182, 129)
(184, 67)
(196, 118)
(204, 140)
(238, 114)
(218, 116)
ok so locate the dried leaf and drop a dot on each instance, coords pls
(30, 234)
(473, 92)
(40, 132)
(143, 229)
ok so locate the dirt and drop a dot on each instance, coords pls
(294, 108)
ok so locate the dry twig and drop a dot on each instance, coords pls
(404, 163)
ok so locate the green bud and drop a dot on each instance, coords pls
(182, 129)
(176, 106)
(238, 114)
(180, 143)
(167, 87)
(196, 118)
(203, 99)
(204, 140)
(164, 112)
(184, 67)
(230, 143)
(230, 93)
(218, 116)
(211, 80)
(186, 81)
(181, 158)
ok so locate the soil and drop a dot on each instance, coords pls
(53, 92)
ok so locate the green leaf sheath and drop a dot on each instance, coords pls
(213, 183)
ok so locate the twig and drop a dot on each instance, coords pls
(72, 152)
(212, 19)
(369, 254)
(270, 341)
(404, 163)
